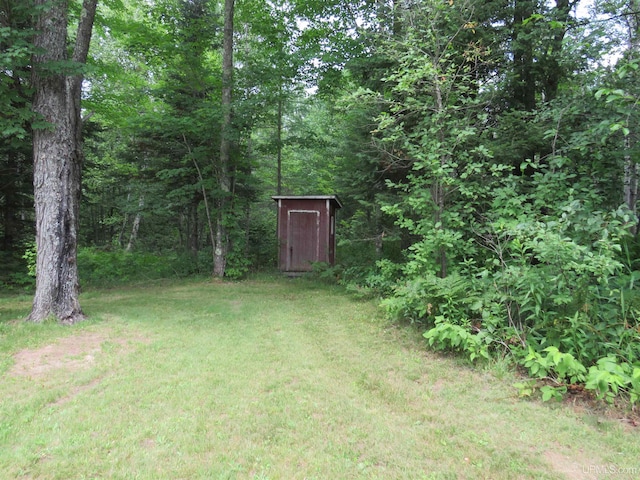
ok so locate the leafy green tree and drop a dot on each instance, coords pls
(621, 92)
(16, 174)
(431, 125)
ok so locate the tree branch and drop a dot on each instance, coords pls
(85, 27)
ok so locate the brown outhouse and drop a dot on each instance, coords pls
(306, 231)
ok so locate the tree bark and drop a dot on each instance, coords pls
(57, 156)
(279, 140)
(221, 246)
(133, 238)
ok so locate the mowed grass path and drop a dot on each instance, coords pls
(271, 379)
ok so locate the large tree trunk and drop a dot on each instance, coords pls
(57, 156)
(221, 245)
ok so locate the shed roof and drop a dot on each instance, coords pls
(333, 198)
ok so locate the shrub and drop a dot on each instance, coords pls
(611, 377)
(421, 299)
(555, 293)
(104, 268)
(446, 336)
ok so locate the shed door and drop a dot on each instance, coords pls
(303, 245)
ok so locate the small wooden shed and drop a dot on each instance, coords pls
(306, 231)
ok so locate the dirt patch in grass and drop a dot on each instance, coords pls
(74, 353)
(585, 403)
(574, 467)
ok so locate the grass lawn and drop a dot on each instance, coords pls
(271, 379)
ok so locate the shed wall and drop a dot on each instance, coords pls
(306, 232)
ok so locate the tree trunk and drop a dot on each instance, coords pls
(57, 157)
(221, 245)
(279, 141)
(136, 225)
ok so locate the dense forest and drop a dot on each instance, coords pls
(486, 153)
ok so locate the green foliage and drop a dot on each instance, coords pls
(30, 256)
(19, 270)
(382, 278)
(260, 242)
(446, 336)
(526, 388)
(238, 265)
(16, 32)
(610, 377)
(98, 267)
(549, 392)
(421, 299)
(552, 281)
(559, 366)
(15, 274)
(568, 295)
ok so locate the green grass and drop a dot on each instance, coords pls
(273, 378)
